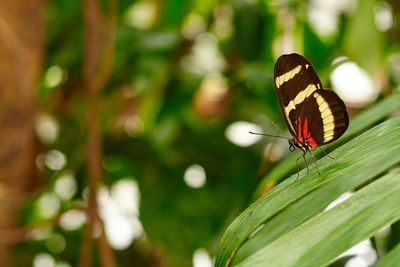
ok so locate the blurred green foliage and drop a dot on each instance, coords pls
(157, 121)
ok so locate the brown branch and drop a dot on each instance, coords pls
(106, 253)
(99, 56)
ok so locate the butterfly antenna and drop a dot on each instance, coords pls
(270, 135)
(277, 127)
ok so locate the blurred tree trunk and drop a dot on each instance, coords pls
(21, 31)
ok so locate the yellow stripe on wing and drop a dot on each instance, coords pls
(327, 117)
(287, 76)
(300, 97)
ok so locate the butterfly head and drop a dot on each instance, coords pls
(293, 143)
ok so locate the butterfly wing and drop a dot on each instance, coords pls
(313, 114)
(295, 80)
(323, 119)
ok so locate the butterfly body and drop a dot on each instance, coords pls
(314, 115)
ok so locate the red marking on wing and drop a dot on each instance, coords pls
(311, 141)
(299, 132)
(307, 135)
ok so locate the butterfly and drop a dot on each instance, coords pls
(314, 115)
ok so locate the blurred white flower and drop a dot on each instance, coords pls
(55, 160)
(47, 128)
(72, 220)
(65, 186)
(205, 57)
(238, 133)
(201, 258)
(323, 15)
(353, 84)
(119, 210)
(195, 176)
(141, 14)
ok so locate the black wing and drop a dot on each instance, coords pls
(326, 116)
(295, 80)
(312, 113)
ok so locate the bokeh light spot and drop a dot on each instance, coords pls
(238, 133)
(55, 160)
(215, 86)
(47, 128)
(54, 76)
(65, 186)
(195, 176)
(205, 57)
(353, 84)
(72, 220)
(121, 231)
(48, 205)
(211, 98)
(274, 151)
(119, 209)
(383, 16)
(201, 258)
(223, 23)
(43, 260)
(141, 15)
(192, 26)
(126, 194)
(324, 14)
(39, 233)
(134, 126)
(323, 20)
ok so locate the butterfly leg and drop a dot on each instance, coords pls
(316, 165)
(297, 168)
(305, 161)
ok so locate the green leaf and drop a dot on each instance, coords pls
(391, 259)
(324, 237)
(358, 124)
(355, 37)
(359, 160)
(296, 213)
